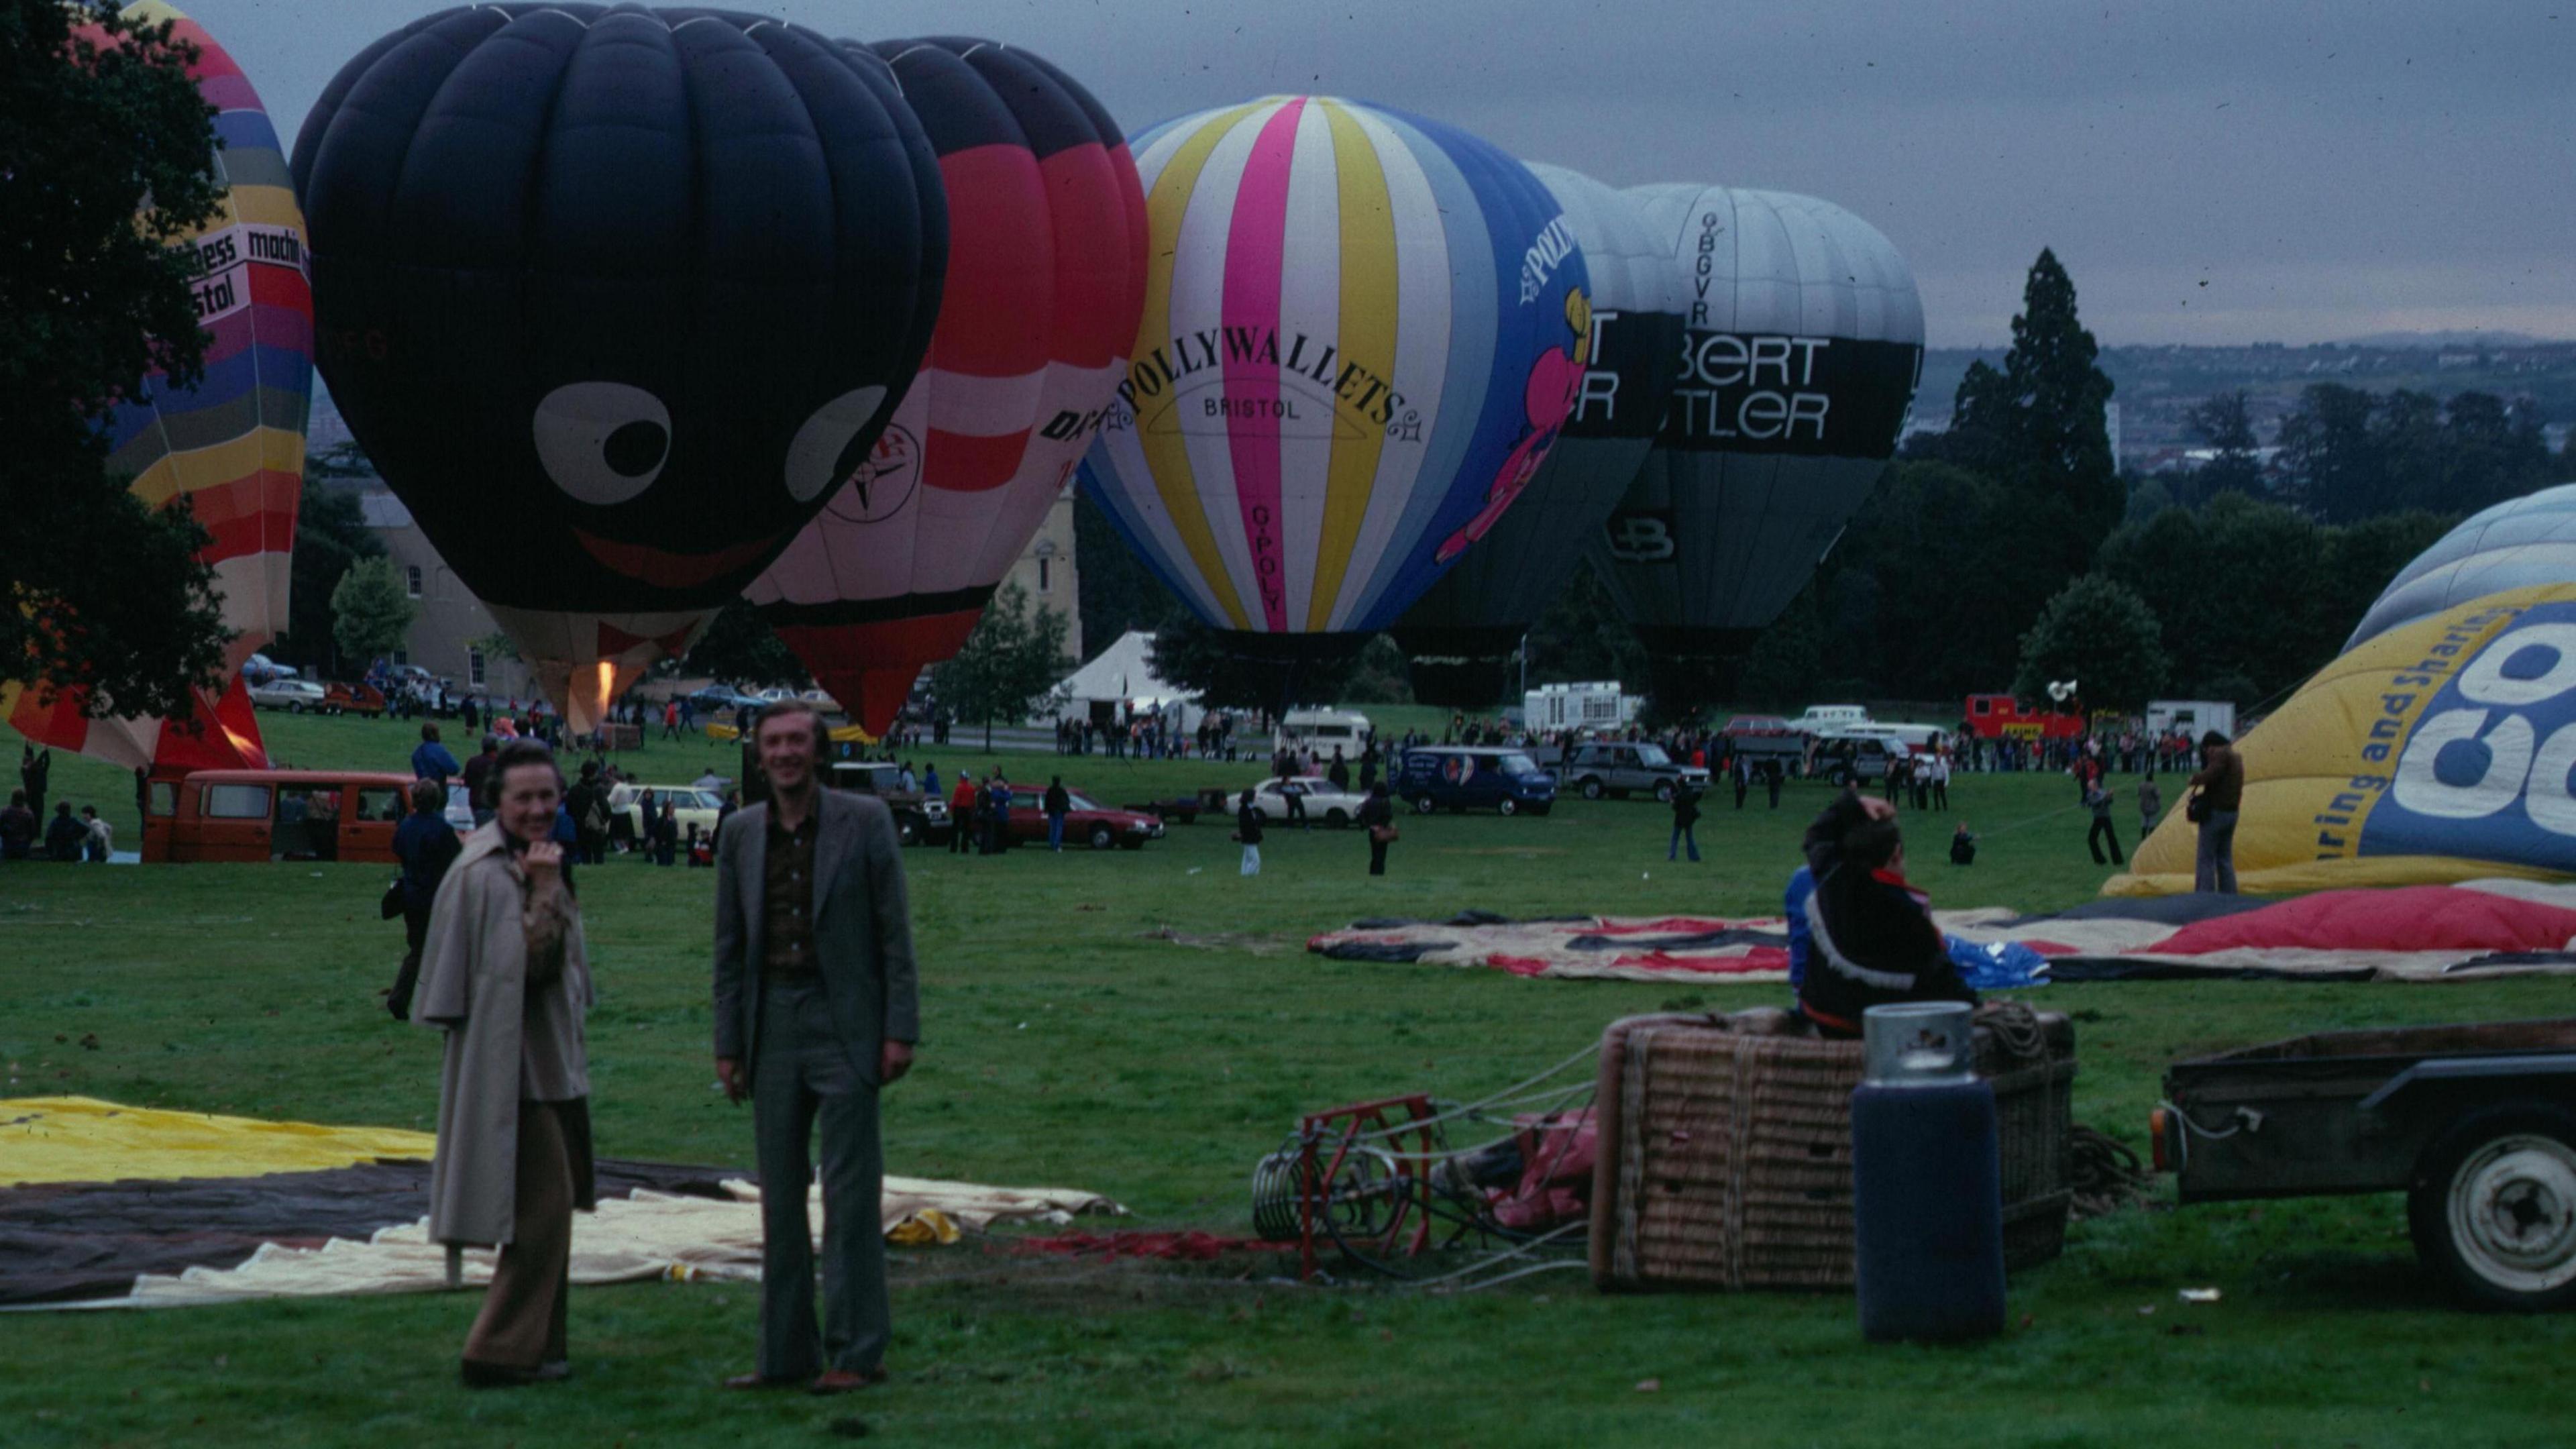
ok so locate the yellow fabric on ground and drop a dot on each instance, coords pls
(82, 1139)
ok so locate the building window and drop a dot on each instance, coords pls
(411, 580)
(474, 667)
(1042, 574)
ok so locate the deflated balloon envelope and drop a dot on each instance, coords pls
(1462, 638)
(231, 447)
(615, 299)
(1046, 271)
(2517, 543)
(1358, 342)
(1804, 342)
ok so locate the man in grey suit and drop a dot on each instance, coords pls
(815, 1014)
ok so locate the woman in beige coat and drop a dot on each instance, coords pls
(504, 974)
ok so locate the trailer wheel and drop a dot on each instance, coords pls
(2493, 1206)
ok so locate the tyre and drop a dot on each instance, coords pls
(2493, 1206)
(1663, 792)
(1102, 837)
(907, 830)
(1592, 788)
(1508, 806)
(295, 707)
(1337, 819)
(1424, 805)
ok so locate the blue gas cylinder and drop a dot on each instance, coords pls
(1927, 1182)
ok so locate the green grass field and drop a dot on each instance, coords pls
(1146, 1026)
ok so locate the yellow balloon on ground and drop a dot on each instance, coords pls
(2442, 750)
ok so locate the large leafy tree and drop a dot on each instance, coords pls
(2037, 427)
(1197, 658)
(739, 648)
(370, 612)
(1010, 666)
(2100, 635)
(2224, 423)
(103, 167)
(331, 536)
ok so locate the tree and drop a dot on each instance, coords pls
(103, 169)
(739, 647)
(2102, 636)
(1116, 589)
(2037, 426)
(2225, 424)
(1918, 600)
(1011, 666)
(2328, 456)
(1199, 659)
(371, 611)
(331, 534)
(1581, 636)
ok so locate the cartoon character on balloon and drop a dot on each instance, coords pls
(1547, 400)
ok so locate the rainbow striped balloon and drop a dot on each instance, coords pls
(1362, 330)
(233, 445)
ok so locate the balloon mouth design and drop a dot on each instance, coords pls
(663, 567)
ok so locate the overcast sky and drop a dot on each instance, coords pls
(2209, 172)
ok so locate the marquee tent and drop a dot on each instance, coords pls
(1122, 673)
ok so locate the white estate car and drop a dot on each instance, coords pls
(295, 696)
(689, 806)
(1325, 803)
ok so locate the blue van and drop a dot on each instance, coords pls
(1465, 777)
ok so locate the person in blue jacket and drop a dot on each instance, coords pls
(430, 759)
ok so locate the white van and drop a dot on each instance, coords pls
(1822, 718)
(1323, 729)
(1919, 738)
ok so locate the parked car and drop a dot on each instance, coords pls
(248, 815)
(919, 819)
(260, 669)
(1465, 777)
(1326, 803)
(1623, 767)
(361, 698)
(721, 699)
(295, 696)
(1849, 759)
(1088, 823)
(460, 808)
(689, 806)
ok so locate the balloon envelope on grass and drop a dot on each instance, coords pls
(1359, 340)
(615, 299)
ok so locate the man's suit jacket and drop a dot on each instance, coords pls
(862, 928)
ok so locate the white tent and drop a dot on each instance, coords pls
(1123, 673)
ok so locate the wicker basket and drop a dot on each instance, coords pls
(1726, 1151)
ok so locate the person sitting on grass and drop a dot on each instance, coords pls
(1870, 934)
(1963, 846)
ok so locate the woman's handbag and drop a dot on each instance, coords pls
(2196, 809)
(1384, 834)
(394, 901)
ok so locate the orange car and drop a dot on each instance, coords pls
(234, 815)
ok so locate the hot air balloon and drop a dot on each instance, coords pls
(1804, 343)
(1046, 275)
(232, 446)
(615, 299)
(2439, 749)
(1361, 335)
(1463, 635)
(2522, 541)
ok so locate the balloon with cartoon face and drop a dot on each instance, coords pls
(615, 299)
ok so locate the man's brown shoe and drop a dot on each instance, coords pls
(845, 1381)
(759, 1381)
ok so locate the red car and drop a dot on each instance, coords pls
(1088, 823)
(363, 699)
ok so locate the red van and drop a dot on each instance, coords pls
(346, 815)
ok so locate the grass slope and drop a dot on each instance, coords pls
(1146, 1025)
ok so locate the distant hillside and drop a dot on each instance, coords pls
(2155, 386)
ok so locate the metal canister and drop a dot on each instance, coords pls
(1927, 1181)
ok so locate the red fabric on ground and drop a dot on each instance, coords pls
(1749, 958)
(1189, 1247)
(2407, 918)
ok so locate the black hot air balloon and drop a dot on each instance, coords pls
(615, 298)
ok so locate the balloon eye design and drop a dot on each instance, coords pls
(603, 442)
(821, 454)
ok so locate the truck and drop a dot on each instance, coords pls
(2000, 716)
(1596, 705)
(1324, 730)
(918, 819)
(1621, 768)
(2475, 1123)
(2194, 717)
